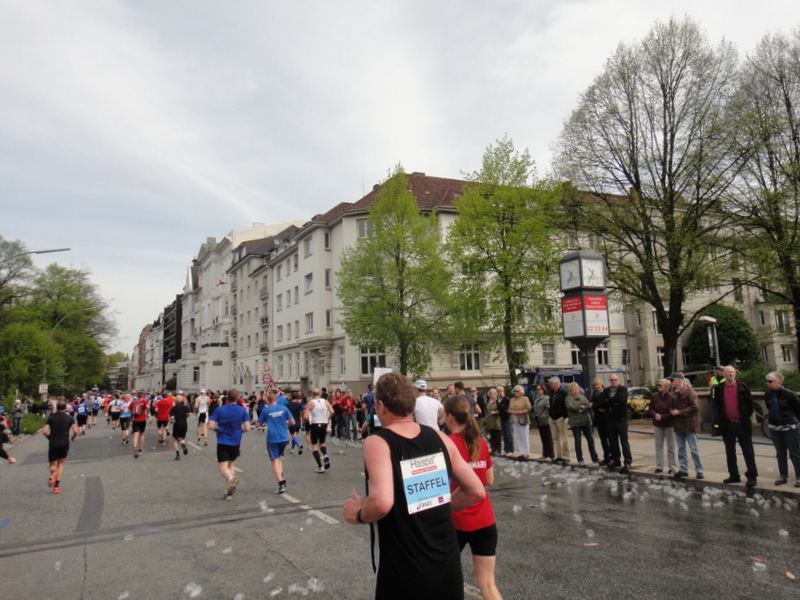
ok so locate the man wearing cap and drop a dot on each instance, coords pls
(686, 424)
(427, 410)
(733, 404)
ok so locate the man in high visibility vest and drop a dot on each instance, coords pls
(719, 377)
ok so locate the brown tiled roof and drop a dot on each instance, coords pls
(431, 192)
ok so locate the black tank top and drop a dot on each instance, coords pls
(416, 555)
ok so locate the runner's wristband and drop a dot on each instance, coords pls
(358, 516)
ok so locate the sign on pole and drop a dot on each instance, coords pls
(42, 389)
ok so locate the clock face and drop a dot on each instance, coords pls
(593, 274)
(569, 275)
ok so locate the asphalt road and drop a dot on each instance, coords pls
(157, 528)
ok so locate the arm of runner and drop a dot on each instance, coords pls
(378, 462)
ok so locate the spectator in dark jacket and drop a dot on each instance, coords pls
(686, 423)
(733, 405)
(558, 420)
(615, 401)
(784, 426)
(663, 433)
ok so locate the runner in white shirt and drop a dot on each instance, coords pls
(201, 410)
(318, 413)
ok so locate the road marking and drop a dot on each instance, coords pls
(311, 511)
(238, 470)
(472, 591)
(193, 445)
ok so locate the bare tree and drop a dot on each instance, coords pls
(650, 139)
(768, 203)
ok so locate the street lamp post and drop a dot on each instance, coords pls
(713, 344)
(39, 252)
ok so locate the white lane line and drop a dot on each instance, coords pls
(311, 511)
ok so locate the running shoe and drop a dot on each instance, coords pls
(135, 454)
(281, 488)
(327, 462)
(320, 469)
(205, 442)
(300, 450)
(232, 483)
(185, 450)
(56, 490)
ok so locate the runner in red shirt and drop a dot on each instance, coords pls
(163, 406)
(139, 413)
(474, 525)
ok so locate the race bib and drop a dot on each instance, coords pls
(425, 481)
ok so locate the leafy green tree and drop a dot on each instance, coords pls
(767, 207)
(737, 341)
(651, 140)
(503, 240)
(393, 284)
(16, 269)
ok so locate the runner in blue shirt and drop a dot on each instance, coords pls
(229, 421)
(278, 419)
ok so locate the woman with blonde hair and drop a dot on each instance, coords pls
(519, 409)
(475, 525)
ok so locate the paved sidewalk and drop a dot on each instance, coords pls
(712, 455)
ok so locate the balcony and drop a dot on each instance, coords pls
(233, 355)
(234, 309)
(263, 292)
(235, 332)
(265, 321)
(264, 348)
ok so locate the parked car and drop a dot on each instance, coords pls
(639, 402)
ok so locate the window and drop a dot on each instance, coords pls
(296, 329)
(548, 354)
(321, 363)
(279, 333)
(364, 228)
(640, 355)
(278, 272)
(195, 374)
(297, 362)
(296, 294)
(329, 318)
(626, 357)
(308, 246)
(371, 358)
(288, 331)
(295, 261)
(602, 353)
(327, 279)
(737, 291)
(289, 365)
(309, 283)
(685, 355)
(288, 297)
(279, 302)
(782, 321)
(326, 241)
(638, 318)
(787, 352)
(762, 318)
(309, 322)
(342, 362)
(660, 355)
(469, 358)
(765, 354)
(575, 355)
(655, 324)
(280, 367)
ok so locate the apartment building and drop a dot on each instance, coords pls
(260, 305)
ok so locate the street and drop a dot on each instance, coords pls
(157, 528)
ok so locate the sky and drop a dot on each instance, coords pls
(132, 130)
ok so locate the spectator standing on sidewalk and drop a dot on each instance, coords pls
(541, 408)
(16, 418)
(685, 413)
(519, 409)
(558, 420)
(505, 420)
(733, 404)
(600, 420)
(784, 426)
(615, 400)
(663, 433)
(493, 422)
(580, 422)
